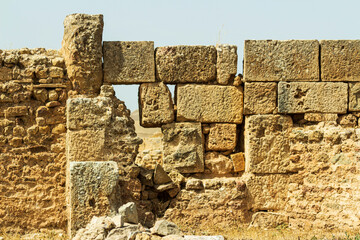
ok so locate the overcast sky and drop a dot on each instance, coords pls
(39, 23)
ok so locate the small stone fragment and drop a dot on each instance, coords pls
(129, 212)
(347, 120)
(160, 176)
(217, 163)
(165, 228)
(194, 184)
(268, 220)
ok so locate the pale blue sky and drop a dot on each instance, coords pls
(38, 23)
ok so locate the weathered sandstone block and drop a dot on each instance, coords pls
(302, 97)
(340, 60)
(86, 145)
(354, 96)
(267, 146)
(185, 64)
(320, 117)
(88, 112)
(273, 60)
(155, 105)
(268, 220)
(259, 97)
(6, 74)
(217, 163)
(222, 137)
(129, 62)
(226, 63)
(16, 111)
(209, 103)
(92, 188)
(82, 50)
(238, 161)
(183, 147)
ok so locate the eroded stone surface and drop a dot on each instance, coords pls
(303, 97)
(259, 97)
(266, 220)
(226, 63)
(273, 60)
(185, 64)
(238, 161)
(82, 50)
(183, 147)
(340, 60)
(354, 96)
(209, 103)
(129, 62)
(217, 163)
(155, 104)
(267, 148)
(221, 137)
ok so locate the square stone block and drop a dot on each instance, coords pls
(86, 145)
(304, 97)
(209, 103)
(267, 146)
(354, 96)
(226, 63)
(93, 188)
(259, 97)
(186, 64)
(128, 62)
(340, 60)
(155, 105)
(238, 160)
(88, 112)
(183, 147)
(274, 60)
(222, 137)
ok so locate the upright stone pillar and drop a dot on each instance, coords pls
(82, 50)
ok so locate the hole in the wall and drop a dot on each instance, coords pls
(92, 202)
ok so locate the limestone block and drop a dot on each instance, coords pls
(82, 51)
(222, 137)
(185, 64)
(273, 60)
(129, 212)
(268, 220)
(340, 60)
(268, 192)
(88, 112)
(238, 161)
(320, 117)
(267, 146)
(16, 111)
(92, 187)
(155, 105)
(128, 62)
(218, 163)
(354, 96)
(303, 97)
(86, 145)
(164, 228)
(259, 97)
(183, 147)
(226, 63)
(209, 103)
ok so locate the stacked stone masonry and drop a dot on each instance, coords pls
(279, 144)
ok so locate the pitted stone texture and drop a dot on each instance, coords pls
(86, 145)
(82, 50)
(259, 97)
(93, 188)
(217, 163)
(222, 137)
(320, 117)
(340, 60)
(209, 103)
(186, 64)
(273, 60)
(304, 97)
(129, 62)
(89, 112)
(226, 63)
(354, 96)
(268, 220)
(183, 147)
(155, 103)
(267, 146)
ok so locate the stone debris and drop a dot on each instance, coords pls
(268, 220)
(129, 212)
(164, 228)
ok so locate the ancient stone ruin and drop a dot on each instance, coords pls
(278, 145)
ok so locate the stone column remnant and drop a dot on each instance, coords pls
(82, 50)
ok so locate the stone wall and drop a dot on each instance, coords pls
(276, 145)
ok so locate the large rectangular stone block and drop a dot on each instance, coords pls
(274, 60)
(340, 60)
(93, 189)
(155, 105)
(128, 62)
(303, 97)
(267, 146)
(183, 147)
(186, 64)
(259, 97)
(209, 103)
(226, 63)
